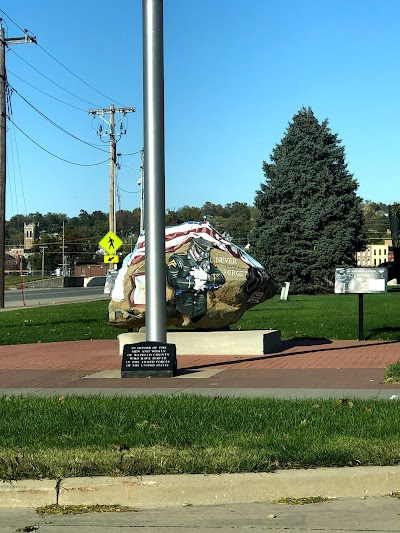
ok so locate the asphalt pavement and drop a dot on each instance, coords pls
(17, 298)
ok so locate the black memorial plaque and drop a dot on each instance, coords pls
(148, 359)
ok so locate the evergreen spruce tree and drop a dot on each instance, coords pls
(311, 218)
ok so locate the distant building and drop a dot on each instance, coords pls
(89, 270)
(375, 254)
(31, 234)
(10, 264)
(15, 251)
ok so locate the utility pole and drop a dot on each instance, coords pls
(43, 248)
(3, 114)
(113, 150)
(63, 251)
(113, 162)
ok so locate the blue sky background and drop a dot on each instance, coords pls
(236, 71)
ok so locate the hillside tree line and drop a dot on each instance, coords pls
(83, 232)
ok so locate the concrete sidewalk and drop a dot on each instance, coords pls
(348, 515)
(301, 368)
(174, 491)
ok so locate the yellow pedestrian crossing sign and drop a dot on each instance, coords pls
(111, 259)
(110, 243)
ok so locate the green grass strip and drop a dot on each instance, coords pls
(332, 317)
(93, 436)
(66, 322)
(392, 374)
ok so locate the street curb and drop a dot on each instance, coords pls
(198, 489)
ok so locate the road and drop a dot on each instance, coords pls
(13, 298)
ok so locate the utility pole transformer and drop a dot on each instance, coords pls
(113, 152)
(3, 170)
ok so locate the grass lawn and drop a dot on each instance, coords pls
(66, 322)
(92, 436)
(15, 280)
(393, 373)
(330, 316)
(334, 316)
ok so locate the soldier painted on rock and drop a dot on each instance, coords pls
(191, 275)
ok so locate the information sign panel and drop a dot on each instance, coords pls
(361, 280)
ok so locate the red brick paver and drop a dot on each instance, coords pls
(305, 364)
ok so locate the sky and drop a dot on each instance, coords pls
(235, 71)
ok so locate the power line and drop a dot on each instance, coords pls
(61, 101)
(47, 94)
(8, 107)
(76, 76)
(50, 80)
(133, 153)
(19, 169)
(18, 26)
(59, 62)
(128, 192)
(54, 123)
(54, 155)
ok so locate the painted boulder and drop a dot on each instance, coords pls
(210, 282)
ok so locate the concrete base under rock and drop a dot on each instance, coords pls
(255, 342)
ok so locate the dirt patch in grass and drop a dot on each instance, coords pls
(56, 509)
(303, 501)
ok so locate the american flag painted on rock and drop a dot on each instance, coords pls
(175, 238)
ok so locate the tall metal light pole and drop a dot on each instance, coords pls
(154, 169)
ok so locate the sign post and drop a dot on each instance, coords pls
(361, 317)
(361, 281)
